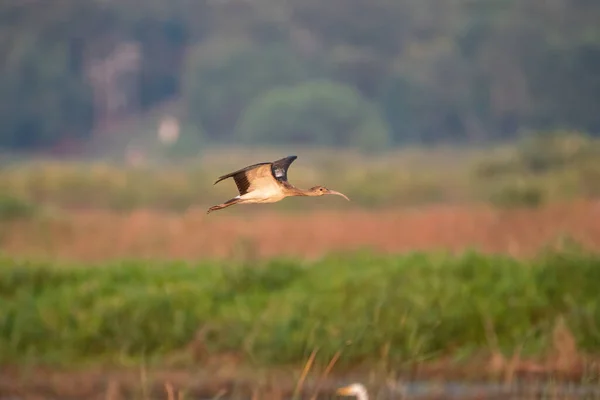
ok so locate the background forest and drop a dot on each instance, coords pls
(348, 73)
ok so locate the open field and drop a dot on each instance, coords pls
(421, 314)
(114, 280)
(85, 324)
(532, 173)
(398, 178)
(250, 231)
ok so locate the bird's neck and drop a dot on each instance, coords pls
(302, 192)
(306, 192)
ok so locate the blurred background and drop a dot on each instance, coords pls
(365, 74)
(138, 106)
(395, 102)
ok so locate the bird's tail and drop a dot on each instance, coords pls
(228, 203)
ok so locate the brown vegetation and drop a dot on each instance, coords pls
(260, 232)
(236, 382)
(256, 231)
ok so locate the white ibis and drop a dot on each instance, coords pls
(267, 183)
(355, 390)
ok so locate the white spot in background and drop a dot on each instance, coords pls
(168, 131)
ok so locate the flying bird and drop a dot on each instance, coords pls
(267, 183)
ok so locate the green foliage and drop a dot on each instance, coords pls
(508, 176)
(516, 194)
(423, 306)
(15, 208)
(571, 66)
(548, 151)
(315, 112)
(41, 101)
(218, 88)
(422, 112)
(189, 144)
(439, 71)
(103, 186)
(176, 187)
(545, 165)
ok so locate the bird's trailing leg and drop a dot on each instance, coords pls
(228, 203)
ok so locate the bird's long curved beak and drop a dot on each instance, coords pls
(329, 191)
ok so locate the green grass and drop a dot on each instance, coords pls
(368, 181)
(423, 306)
(13, 208)
(543, 169)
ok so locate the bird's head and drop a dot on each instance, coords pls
(322, 190)
(356, 390)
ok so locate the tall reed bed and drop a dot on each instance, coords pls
(406, 308)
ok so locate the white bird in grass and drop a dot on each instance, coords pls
(356, 389)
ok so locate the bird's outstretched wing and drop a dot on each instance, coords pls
(280, 167)
(260, 175)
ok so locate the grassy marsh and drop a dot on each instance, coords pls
(398, 310)
(542, 169)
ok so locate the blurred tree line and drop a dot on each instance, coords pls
(364, 73)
